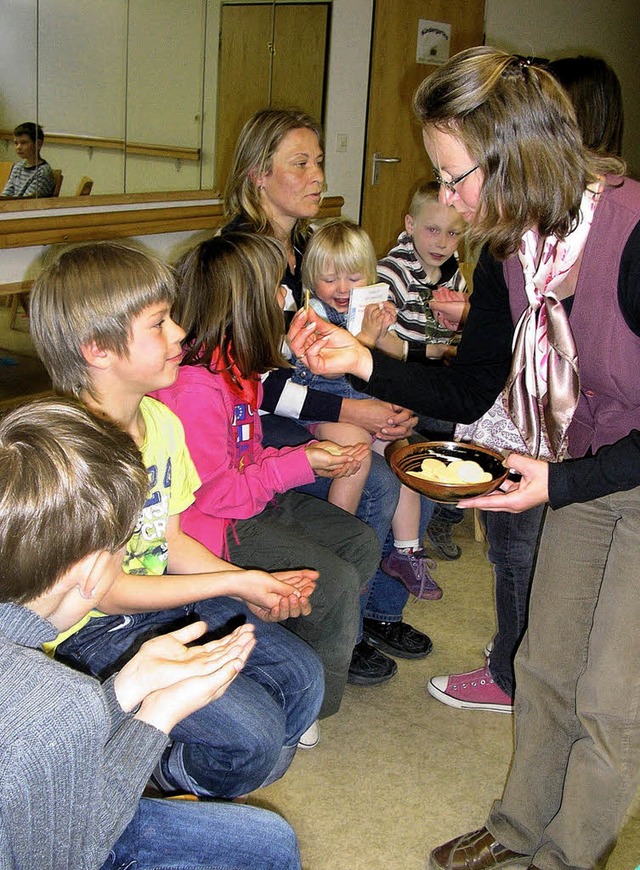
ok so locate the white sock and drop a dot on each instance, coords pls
(407, 546)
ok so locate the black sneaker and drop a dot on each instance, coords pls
(397, 639)
(439, 536)
(369, 667)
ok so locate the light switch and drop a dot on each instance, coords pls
(341, 142)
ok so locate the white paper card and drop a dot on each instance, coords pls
(358, 301)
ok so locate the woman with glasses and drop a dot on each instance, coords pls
(554, 328)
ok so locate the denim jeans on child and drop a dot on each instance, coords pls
(164, 835)
(513, 543)
(335, 386)
(248, 737)
(386, 596)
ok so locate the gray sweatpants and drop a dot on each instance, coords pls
(576, 766)
(300, 531)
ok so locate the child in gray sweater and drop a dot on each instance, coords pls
(75, 754)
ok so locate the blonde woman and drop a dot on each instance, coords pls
(274, 189)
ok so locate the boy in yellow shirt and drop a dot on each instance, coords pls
(100, 319)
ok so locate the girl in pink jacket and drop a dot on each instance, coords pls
(246, 509)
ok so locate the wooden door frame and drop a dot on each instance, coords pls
(385, 95)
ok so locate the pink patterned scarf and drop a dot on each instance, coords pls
(543, 388)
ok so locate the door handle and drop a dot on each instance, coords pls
(377, 160)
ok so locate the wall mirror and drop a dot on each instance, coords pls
(145, 96)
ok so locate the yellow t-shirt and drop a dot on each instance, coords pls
(173, 479)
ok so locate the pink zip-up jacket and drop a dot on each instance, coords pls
(224, 436)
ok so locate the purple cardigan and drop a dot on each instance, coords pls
(608, 351)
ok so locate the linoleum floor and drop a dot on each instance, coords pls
(396, 772)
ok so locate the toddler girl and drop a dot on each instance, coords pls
(339, 257)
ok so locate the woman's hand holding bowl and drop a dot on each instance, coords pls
(531, 490)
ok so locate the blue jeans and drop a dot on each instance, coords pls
(248, 737)
(432, 429)
(385, 597)
(335, 386)
(166, 835)
(513, 542)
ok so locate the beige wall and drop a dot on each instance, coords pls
(548, 28)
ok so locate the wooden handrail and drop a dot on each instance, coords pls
(169, 151)
(33, 205)
(15, 287)
(87, 224)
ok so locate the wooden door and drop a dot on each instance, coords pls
(243, 74)
(299, 60)
(268, 57)
(392, 131)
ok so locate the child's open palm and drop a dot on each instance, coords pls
(328, 459)
(170, 679)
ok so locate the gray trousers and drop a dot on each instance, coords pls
(300, 531)
(576, 766)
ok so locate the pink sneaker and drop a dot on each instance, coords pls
(412, 570)
(473, 691)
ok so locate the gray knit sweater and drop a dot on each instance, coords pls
(72, 764)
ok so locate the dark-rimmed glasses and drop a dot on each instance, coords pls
(451, 185)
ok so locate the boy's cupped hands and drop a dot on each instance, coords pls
(170, 678)
(278, 595)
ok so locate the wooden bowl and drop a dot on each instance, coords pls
(409, 458)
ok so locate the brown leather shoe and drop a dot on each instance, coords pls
(477, 850)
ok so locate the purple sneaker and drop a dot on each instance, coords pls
(412, 569)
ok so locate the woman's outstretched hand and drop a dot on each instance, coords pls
(327, 349)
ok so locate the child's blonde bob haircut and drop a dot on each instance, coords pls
(339, 247)
(91, 293)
